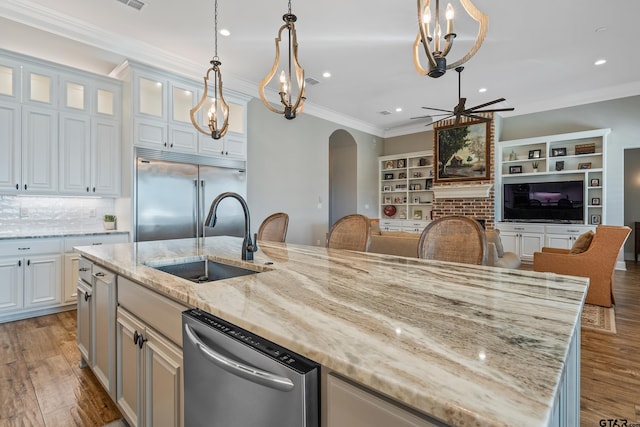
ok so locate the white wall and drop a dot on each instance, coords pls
(288, 171)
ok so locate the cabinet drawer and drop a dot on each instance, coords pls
(84, 269)
(98, 239)
(159, 312)
(25, 247)
(526, 228)
(567, 229)
(102, 274)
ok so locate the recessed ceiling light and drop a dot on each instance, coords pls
(600, 62)
(482, 90)
(398, 110)
(225, 32)
(326, 74)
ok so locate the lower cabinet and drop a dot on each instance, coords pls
(348, 404)
(149, 375)
(523, 240)
(84, 313)
(103, 318)
(563, 236)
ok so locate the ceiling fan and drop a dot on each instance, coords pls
(459, 110)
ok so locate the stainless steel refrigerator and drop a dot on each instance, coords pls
(173, 195)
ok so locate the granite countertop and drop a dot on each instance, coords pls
(470, 345)
(29, 233)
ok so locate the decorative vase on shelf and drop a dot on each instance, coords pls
(512, 155)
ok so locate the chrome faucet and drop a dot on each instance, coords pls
(248, 247)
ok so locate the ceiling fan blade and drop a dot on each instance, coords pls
(433, 115)
(480, 118)
(486, 104)
(438, 109)
(494, 110)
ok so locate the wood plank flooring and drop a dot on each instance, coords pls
(42, 384)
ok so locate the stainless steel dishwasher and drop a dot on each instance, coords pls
(233, 378)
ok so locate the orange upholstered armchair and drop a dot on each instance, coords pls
(597, 262)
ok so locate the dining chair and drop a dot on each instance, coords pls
(454, 238)
(274, 227)
(350, 232)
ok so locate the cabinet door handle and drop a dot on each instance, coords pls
(87, 295)
(19, 263)
(28, 262)
(24, 249)
(87, 189)
(84, 269)
(25, 186)
(99, 274)
(135, 337)
(17, 186)
(141, 341)
(94, 189)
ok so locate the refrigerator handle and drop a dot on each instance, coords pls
(202, 207)
(196, 210)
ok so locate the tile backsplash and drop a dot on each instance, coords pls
(34, 213)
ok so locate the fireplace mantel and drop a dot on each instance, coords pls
(478, 191)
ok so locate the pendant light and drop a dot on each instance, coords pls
(218, 114)
(291, 105)
(437, 46)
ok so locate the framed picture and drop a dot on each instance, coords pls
(586, 165)
(402, 175)
(386, 188)
(560, 165)
(389, 164)
(595, 201)
(515, 169)
(462, 152)
(387, 200)
(417, 214)
(428, 184)
(555, 152)
(402, 163)
(388, 176)
(595, 219)
(417, 187)
(534, 154)
(397, 200)
(595, 182)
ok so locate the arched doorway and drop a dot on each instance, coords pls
(343, 175)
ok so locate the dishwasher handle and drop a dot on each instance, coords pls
(236, 368)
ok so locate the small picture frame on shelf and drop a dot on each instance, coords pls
(388, 176)
(560, 165)
(422, 162)
(556, 152)
(389, 164)
(595, 201)
(586, 165)
(515, 169)
(387, 200)
(417, 214)
(387, 188)
(416, 200)
(595, 219)
(428, 184)
(402, 163)
(397, 200)
(595, 182)
(534, 154)
(402, 175)
(417, 187)
(401, 187)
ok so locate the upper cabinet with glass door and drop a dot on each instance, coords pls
(10, 77)
(39, 86)
(161, 112)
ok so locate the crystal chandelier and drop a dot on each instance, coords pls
(432, 40)
(218, 114)
(291, 105)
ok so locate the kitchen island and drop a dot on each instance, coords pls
(467, 345)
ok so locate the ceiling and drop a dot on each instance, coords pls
(539, 55)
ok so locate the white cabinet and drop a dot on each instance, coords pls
(40, 85)
(11, 147)
(39, 150)
(522, 239)
(348, 404)
(578, 156)
(406, 182)
(391, 225)
(30, 276)
(563, 236)
(84, 294)
(150, 389)
(103, 318)
(10, 80)
(161, 112)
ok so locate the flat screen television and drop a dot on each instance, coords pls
(557, 201)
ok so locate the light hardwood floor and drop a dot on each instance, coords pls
(42, 384)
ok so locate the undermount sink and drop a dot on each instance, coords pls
(205, 270)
